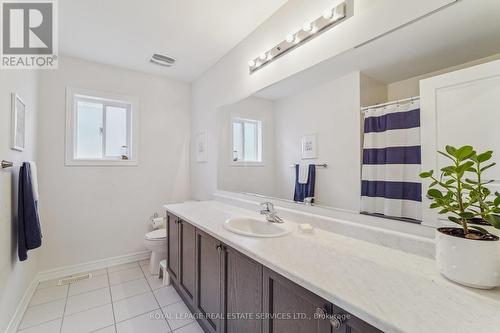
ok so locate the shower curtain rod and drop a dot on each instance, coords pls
(390, 103)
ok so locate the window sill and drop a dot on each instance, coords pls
(118, 163)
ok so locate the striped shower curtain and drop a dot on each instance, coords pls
(391, 162)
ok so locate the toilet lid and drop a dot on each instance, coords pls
(157, 234)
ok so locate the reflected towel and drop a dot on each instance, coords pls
(303, 191)
(303, 173)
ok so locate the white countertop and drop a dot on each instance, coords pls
(390, 289)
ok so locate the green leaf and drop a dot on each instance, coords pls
(487, 167)
(446, 155)
(451, 150)
(496, 202)
(483, 231)
(464, 152)
(427, 174)
(434, 205)
(467, 215)
(494, 220)
(454, 219)
(449, 169)
(481, 158)
(463, 167)
(443, 211)
(433, 193)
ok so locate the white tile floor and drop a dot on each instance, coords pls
(120, 299)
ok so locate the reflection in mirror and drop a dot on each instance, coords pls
(276, 147)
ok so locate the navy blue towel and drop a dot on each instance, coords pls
(303, 191)
(29, 234)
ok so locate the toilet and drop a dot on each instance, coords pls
(156, 241)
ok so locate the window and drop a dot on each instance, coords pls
(247, 141)
(101, 129)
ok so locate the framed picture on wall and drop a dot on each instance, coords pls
(201, 143)
(309, 148)
(18, 123)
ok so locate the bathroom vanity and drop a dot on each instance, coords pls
(349, 284)
(215, 279)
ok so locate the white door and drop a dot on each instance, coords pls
(460, 108)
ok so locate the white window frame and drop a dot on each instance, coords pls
(259, 143)
(73, 95)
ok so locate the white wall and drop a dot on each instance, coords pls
(92, 213)
(15, 276)
(410, 87)
(331, 111)
(253, 179)
(228, 81)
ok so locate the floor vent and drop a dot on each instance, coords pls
(75, 278)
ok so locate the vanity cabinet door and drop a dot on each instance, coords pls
(187, 236)
(243, 277)
(291, 308)
(352, 324)
(173, 246)
(209, 281)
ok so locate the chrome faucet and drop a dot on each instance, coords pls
(270, 213)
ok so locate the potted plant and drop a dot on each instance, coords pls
(467, 254)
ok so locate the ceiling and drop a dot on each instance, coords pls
(126, 33)
(465, 31)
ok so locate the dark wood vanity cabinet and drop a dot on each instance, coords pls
(187, 260)
(291, 308)
(209, 281)
(173, 239)
(231, 293)
(243, 292)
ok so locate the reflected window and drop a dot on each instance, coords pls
(247, 140)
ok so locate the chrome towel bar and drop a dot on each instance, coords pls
(7, 164)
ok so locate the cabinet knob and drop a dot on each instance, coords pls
(321, 313)
(219, 248)
(335, 322)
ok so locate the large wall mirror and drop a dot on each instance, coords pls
(268, 142)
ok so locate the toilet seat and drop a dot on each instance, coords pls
(157, 234)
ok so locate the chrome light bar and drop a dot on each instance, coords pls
(321, 24)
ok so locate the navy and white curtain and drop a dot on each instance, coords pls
(391, 161)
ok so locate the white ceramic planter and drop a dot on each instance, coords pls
(473, 263)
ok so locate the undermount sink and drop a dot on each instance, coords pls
(249, 226)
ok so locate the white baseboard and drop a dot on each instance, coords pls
(22, 306)
(65, 271)
(91, 265)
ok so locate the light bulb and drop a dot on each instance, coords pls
(297, 40)
(314, 29)
(269, 56)
(339, 13)
(307, 27)
(290, 38)
(263, 56)
(251, 63)
(327, 14)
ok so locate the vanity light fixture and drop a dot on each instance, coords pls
(309, 29)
